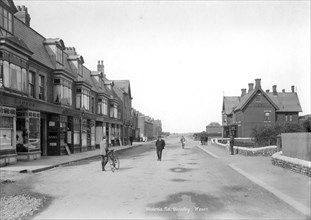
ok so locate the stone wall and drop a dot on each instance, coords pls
(293, 164)
(247, 151)
(261, 151)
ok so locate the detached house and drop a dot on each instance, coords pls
(256, 107)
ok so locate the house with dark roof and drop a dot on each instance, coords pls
(214, 129)
(123, 90)
(240, 114)
(50, 103)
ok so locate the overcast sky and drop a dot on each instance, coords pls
(181, 57)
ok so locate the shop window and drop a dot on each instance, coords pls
(41, 87)
(27, 131)
(76, 128)
(84, 132)
(62, 91)
(6, 132)
(6, 20)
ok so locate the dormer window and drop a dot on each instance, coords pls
(6, 21)
(59, 55)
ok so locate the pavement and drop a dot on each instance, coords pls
(290, 187)
(49, 162)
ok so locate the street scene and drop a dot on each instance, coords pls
(155, 109)
(186, 184)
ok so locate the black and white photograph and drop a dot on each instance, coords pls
(155, 109)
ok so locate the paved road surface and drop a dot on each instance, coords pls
(186, 184)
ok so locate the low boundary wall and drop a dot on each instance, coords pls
(247, 151)
(294, 164)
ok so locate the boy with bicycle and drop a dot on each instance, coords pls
(103, 149)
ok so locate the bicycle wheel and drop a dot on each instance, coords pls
(116, 161)
(111, 162)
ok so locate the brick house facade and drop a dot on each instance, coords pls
(240, 114)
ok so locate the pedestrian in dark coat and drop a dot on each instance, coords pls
(160, 144)
(206, 139)
(131, 140)
(231, 144)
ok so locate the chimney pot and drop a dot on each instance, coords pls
(274, 90)
(23, 15)
(257, 83)
(293, 89)
(250, 87)
(243, 92)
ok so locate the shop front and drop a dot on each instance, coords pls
(28, 136)
(7, 135)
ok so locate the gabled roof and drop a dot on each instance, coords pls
(286, 101)
(249, 96)
(124, 85)
(230, 102)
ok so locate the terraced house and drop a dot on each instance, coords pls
(50, 103)
(258, 107)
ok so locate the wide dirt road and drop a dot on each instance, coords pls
(186, 184)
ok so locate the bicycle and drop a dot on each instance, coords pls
(113, 160)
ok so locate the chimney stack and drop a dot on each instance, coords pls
(100, 66)
(293, 89)
(275, 93)
(257, 83)
(283, 90)
(243, 92)
(250, 87)
(22, 14)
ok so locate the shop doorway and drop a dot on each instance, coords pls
(43, 137)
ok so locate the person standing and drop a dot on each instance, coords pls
(103, 148)
(182, 140)
(231, 144)
(206, 139)
(131, 140)
(160, 144)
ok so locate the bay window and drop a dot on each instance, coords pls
(13, 76)
(102, 106)
(6, 20)
(113, 111)
(62, 91)
(83, 99)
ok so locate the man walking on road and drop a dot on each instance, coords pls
(231, 144)
(103, 148)
(160, 144)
